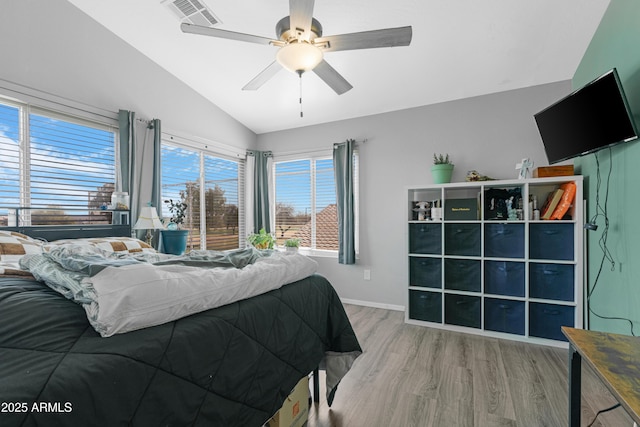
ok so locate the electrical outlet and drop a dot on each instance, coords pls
(367, 274)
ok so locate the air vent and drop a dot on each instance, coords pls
(192, 11)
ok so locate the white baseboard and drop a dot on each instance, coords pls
(373, 304)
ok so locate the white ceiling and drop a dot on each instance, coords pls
(460, 48)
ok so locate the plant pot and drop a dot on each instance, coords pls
(291, 248)
(441, 173)
(174, 242)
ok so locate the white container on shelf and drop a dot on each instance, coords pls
(120, 200)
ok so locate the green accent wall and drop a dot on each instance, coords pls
(616, 43)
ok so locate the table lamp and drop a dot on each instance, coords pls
(148, 220)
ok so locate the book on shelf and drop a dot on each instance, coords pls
(550, 205)
(568, 195)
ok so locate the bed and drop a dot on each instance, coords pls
(233, 365)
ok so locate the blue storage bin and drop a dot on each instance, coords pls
(552, 240)
(504, 316)
(425, 306)
(462, 239)
(425, 272)
(504, 240)
(504, 278)
(545, 320)
(462, 310)
(462, 274)
(551, 281)
(425, 238)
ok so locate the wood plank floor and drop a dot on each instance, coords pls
(415, 376)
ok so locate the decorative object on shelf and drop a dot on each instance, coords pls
(292, 244)
(462, 209)
(568, 195)
(423, 210)
(436, 210)
(474, 176)
(548, 171)
(261, 240)
(148, 220)
(501, 204)
(524, 168)
(442, 169)
(550, 205)
(119, 201)
(174, 240)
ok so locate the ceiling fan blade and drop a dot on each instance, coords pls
(263, 77)
(331, 77)
(388, 37)
(224, 34)
(300, 15)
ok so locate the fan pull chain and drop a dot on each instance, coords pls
(300, 75)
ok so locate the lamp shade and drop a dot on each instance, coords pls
(299, 56)
(148, 219)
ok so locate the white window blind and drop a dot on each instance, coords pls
(222, 198)
(191, 175)
(9, 158)
(294, 202)
(306, 202)
(65, 172)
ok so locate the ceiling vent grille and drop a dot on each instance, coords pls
(192, 11)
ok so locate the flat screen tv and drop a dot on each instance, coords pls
(591, 118)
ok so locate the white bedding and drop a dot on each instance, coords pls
(125, 293)
(142, 295)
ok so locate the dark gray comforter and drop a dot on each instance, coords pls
(230, 366)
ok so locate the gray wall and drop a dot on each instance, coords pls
(52, 46)
(488, 133)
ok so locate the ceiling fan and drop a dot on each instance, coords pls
(301, 45)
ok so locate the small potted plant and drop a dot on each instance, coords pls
(261, 240)
(174, 240)
(292, 244)
(442, 169)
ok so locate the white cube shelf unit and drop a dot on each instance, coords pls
(487, 265)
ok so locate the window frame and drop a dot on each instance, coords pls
(208, 148)
(314, 156)
(25, 208)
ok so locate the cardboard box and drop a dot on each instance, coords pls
(295, 410)
(547, 171)
(461, 209)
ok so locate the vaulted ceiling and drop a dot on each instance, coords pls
(459, 49)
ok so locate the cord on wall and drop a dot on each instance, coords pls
(606, 255)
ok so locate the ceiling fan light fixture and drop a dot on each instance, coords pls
(299, 56)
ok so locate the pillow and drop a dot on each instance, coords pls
(14, 246)
(119, 245)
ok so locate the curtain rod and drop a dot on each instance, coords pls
(149, 123)
(357, 141)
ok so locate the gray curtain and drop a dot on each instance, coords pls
(261, 190)
(343, 171)
(140, 164)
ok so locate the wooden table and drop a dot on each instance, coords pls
(616, 361)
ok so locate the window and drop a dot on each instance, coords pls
(61, 167)
(306, 202)
(192, 175)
